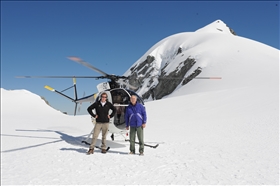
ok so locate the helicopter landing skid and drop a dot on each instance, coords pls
(152, 146)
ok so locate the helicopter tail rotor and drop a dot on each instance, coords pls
(75, 89)
(75, 111)
(79, 108)
(76, 95)
(58, 92)
(64, 95)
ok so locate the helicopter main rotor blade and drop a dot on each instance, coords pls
(193, 78)
(60, 77)
(208, 78)
(82, 62)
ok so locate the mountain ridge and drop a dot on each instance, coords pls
(207, 52)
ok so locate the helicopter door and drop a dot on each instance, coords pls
(120, 99)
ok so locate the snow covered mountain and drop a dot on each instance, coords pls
(210, 132)
(212, 51)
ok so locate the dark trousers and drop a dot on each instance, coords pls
(132, 134)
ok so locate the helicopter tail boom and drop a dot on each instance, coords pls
(60, 93)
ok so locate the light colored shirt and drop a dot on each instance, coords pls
(102, 103)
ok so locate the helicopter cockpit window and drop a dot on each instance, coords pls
(120, 96)
(120, 99)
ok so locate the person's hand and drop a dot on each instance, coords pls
(127, 128)
(109, 116)
(143, 125)
(96, 116)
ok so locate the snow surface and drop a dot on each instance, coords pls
(220, 132)
(220, 137)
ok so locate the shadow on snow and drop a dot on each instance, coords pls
(76, 141)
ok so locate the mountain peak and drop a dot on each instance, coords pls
(217, 26)
(212, 51)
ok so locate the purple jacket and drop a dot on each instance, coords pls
(135, 115)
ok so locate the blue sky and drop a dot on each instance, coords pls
(37, 37)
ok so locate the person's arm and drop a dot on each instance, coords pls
(144, 114)
(113, 109)
(90, 108)
(126, 118)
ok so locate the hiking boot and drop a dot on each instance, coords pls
(141, 154)
(131, 152)
(90, 151)
(103, 151)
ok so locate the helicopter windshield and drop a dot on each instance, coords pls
(120, 96)
(139, 99)
(121, 99)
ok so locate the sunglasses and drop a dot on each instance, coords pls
(103, 96)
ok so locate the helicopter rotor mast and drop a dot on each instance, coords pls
(114, 78)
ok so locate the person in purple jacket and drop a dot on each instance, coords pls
(135, 119)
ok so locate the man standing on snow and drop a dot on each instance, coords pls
(102, 118)
(135, 118)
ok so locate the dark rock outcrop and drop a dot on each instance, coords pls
(168, 83)
(193, 75)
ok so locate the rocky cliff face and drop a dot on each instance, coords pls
(158, 86)
(173, 62)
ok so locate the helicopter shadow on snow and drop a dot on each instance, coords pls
(75, 141)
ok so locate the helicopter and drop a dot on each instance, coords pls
(116, 94)
(116, 91)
